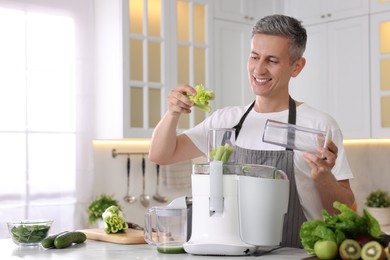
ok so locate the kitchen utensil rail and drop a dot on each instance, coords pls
(115, 153)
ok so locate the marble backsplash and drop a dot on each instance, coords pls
(111, 176)
(370, 163)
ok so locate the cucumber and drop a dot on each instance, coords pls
(48, 242)
(68, 238)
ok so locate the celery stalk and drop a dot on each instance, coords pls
(219, 153)
(202, 98)
(228, 150)
(114, 220)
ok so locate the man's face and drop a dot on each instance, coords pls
(269, 65)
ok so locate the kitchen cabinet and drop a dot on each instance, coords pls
(380, 77)
(108, 69)
(245, 11)
(192, 52)
(143, 49)
(232, 38)
(231, 52)
(336, 76)
(377, 6)
(319, 11)
(242, 11)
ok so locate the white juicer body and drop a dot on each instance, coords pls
(215, 233)
(236, 208)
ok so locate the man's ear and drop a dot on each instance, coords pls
(298, 66)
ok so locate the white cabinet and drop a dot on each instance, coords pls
(380, 74)
(336, 76)
(235, 10)
(319, 11)
(311, 85)
(143, 49)
(108, 69)
(231, 52)
(233, 22)
(245, 11)
(349, 75)
(379, 6)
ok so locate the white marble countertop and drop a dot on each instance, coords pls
(97, 250)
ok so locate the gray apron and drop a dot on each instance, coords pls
(283, 160)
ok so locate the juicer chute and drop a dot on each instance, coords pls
(216, 187)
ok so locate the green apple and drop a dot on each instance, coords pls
(325, 249)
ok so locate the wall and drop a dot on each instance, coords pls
(111, 176)
(369, 162)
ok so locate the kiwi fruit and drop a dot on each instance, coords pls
(387, 252)
(350, 249)
(373, 250)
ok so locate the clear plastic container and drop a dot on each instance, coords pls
(294, 137)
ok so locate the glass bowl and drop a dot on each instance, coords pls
(29, 232)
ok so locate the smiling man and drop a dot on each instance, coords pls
(277, 46)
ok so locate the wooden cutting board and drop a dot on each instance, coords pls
(130, 236)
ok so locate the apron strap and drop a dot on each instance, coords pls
(292, 116)
(239, 125)
(292, 111)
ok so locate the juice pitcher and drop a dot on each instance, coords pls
(168, 228)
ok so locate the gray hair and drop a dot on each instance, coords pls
(286, 26)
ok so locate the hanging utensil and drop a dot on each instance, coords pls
(129, 198)
(145, 199)
(157, 196)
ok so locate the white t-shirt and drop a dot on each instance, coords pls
(250, 137)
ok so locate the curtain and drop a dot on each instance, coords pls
(46, 111)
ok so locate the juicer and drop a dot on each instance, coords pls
(236, 207)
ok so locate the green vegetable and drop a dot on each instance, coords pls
(68, 238)
(222, 153)
(378, 199)
(114, 220)
(346, 224)
(29, 233)
(48, 242)
(313, 231)
(99, 205)
(202, 98)
(374, 229)
(325, 249)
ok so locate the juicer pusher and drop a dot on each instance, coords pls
(216, 187)
(218, 137)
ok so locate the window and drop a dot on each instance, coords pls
(45, 139)
(166, 43)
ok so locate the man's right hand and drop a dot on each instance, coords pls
(178, 102)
